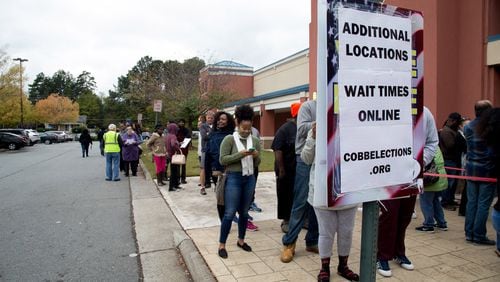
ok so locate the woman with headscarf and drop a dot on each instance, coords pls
(156, 144)
(173, 147)
(130, 152)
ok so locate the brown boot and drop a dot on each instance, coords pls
(344, 271)
(288, 253)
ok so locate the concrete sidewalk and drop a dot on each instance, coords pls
(166, 252)
(442, 256)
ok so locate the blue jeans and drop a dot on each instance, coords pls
(449, 193)
(301, 208)
(495, 218)
(430, 205)
(238, 194)
(479, 198)
(113, 166)
(85, 149)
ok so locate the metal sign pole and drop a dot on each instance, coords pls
(369, 236)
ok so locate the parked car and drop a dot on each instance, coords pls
(195, 134)
(18, 131)
(34, 136)
(48, 138)
(61, 135)
(11, 141)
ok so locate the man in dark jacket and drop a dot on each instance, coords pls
(284, 166)
(452, 145)
(480, 163)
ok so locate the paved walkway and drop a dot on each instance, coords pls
(442, 256)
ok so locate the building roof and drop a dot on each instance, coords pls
(271, 95)
(230, 64)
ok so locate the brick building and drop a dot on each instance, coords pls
(462, 65)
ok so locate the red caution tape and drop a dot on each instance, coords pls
(473, 178)
(454, 168)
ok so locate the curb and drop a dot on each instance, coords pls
(195, 263)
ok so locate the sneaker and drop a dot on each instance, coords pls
(441, 227)
(414, 215)
(485, 241)
(449, 207)
(251, 226)
(312, 249)
(383, 268)
(284, 226)
(425, 229)
(255, 208)
(404, 262)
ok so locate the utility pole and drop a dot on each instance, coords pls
(21, 86)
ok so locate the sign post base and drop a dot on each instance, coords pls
(369, 235)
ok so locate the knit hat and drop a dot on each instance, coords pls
(294, 109)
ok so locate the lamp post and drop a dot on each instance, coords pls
(21, 86)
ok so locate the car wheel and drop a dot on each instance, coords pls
(31, 143)
(47, 142)
(12, 146)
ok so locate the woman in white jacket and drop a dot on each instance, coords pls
(330, 221)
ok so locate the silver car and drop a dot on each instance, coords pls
(33, 135)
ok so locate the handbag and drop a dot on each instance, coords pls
(219, 189)
(431, 168)
(178, 159)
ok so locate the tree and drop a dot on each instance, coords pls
(173, 82)
(10, 103)
(91, 106)
(56, 109)
(62, 83)
(40, 88)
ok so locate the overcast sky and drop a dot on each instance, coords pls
(108, 37)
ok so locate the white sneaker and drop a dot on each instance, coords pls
(414, 215)
(383, 268)
(404, 262)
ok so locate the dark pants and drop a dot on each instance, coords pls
(122, 163)
(174, 176)
(85, 149)
(448, 195)
(131, 165)
(463, 201)
(101, 147)
(220, 211)
(183, 172)
(208, 172)
(284, 192)
(392, 226)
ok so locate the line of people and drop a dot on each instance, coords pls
(164, 147)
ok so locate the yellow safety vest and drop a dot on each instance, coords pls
(111, 142)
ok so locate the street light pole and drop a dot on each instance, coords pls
(21, 86)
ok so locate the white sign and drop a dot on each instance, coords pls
(375, 105)
(157, 105)
(185, 143)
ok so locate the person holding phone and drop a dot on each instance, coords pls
(240, 160)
